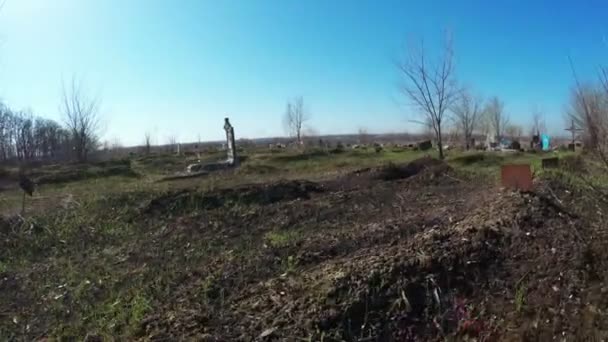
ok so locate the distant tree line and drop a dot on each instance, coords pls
(430, 85)
(25, 137)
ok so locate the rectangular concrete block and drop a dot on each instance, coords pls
(516, 176)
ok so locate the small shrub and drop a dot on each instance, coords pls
(572, 163)
(282, 238)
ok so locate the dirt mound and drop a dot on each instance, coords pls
(301, 247)
(478, 277)
(9, 179)
(398, 260)
(258, 169)
(424, 171)
(479, 158)
(260, 194)
(55, 174)
(400, 171)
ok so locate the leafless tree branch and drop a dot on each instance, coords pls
(430, 86)
(467, 110)
(295, 117)
(497, 117)
(81, 115)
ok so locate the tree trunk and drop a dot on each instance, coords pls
(439, 142)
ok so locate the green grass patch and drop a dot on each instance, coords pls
(318, 161)
(280, 239)
(520, 297)
(54, 174)
(489, 163)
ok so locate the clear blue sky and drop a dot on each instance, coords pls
(179, 67)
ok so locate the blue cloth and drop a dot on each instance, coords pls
(545, 142)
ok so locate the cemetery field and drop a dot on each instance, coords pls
(353, 245)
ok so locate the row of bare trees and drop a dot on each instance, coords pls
(431, 86)
(25, 137)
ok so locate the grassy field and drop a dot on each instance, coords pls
(93, 182)
(109, 251)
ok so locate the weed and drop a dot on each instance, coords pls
(206, 289)
(289, 265)
(280, 239)
(520, 297)
(123, 315)
(140, 305)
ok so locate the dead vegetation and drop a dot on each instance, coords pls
(404, 251)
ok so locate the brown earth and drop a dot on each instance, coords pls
(402, 253)
(416, 259)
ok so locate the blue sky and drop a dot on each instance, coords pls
(177, 68)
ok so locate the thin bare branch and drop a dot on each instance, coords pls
(295, 118)
(431, 87)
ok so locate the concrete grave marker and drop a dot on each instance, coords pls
(230, 143)
(516, 176)
(550, 163)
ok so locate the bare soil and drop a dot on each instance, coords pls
(410, 252)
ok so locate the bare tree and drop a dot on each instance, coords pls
(147, 142)
(589, 111)
(514, 131)
(5, 143)
(363, 136)
(295, 118)
(497, 118)
(309, 136)
(171, 143)
(452, 134)
(538, 123)
(467, 111)
(27, 137)
(116, 144)
(25, 142)
(81, 114)
(431, 85)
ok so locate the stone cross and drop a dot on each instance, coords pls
(231, 146)
(573, 130)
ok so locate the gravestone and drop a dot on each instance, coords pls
(516, 176)
(550, 163)
(425, 145)
(230, 144)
